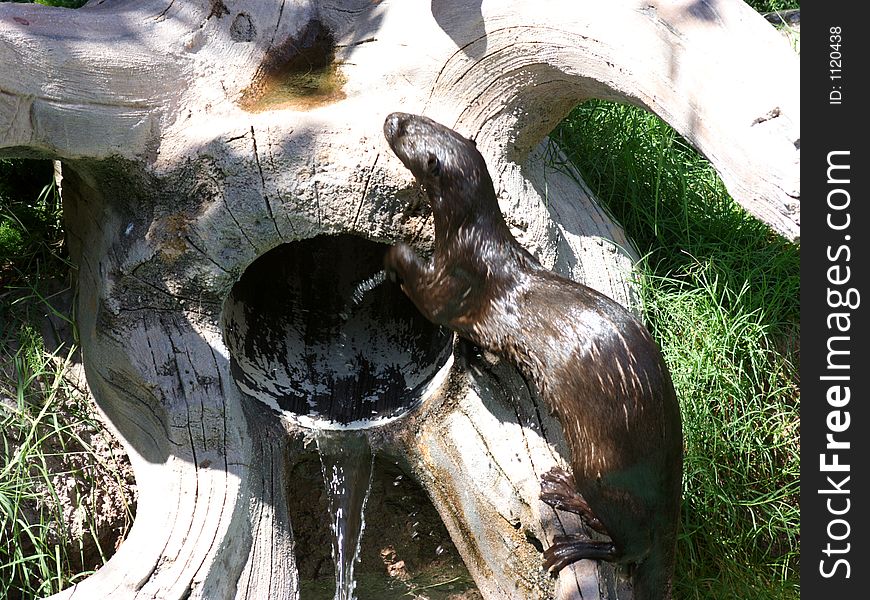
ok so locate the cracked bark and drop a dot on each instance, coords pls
(141, 100)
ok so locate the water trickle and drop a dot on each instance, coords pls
(367, 285)
(346, 459)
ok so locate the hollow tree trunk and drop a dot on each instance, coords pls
(198, 136)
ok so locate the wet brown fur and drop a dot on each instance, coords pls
(591, 361)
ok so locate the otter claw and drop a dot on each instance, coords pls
(559, 491)
(568, 549)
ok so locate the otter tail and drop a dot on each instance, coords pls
(652, 578)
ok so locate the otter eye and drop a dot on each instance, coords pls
(434, 165)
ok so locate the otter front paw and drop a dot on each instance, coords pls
(398, 261)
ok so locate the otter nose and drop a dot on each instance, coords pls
(391, 126)
(394, 125)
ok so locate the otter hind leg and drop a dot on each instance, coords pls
(567, 549)
(559, 491)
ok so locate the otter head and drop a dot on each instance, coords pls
(447, 165)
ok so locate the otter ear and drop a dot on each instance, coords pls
(433, 165)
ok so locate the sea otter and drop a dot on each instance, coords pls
(592, 362)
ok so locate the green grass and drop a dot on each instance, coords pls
(766, 6)
(34, 557)
(60, 3)
(31, 233)
(54, 468)
(721, 295)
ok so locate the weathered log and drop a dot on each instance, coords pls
(197, 136)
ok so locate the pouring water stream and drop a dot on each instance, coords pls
(346, 459)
